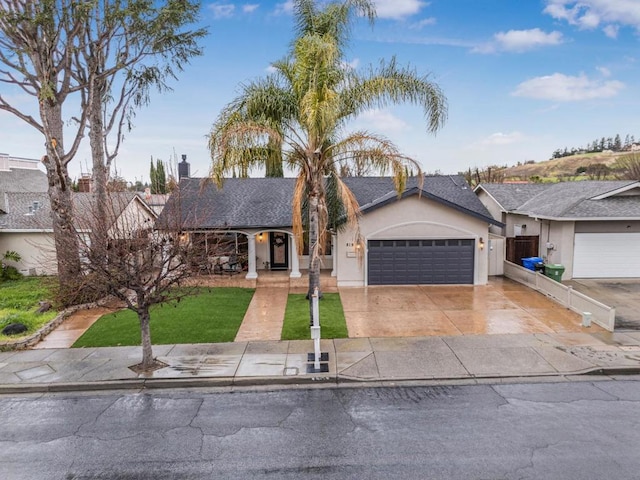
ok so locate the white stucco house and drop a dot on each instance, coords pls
(25, 215)
(592, 228)
(434, 233)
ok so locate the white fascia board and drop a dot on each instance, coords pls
(617, 191)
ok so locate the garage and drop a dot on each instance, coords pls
(606, 255)
(420, 262)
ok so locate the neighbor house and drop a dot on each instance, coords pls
(26, 227)
(25, 214)
(592, 228)
(433, 233)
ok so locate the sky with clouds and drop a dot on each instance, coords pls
(522, 78)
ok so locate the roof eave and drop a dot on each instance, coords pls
(502, 208)
(416, 191)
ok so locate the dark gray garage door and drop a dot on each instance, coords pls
(420, 262)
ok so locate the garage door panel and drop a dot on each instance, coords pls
(606, 255)
(407, 262)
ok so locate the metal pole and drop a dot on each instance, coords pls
(315, 329)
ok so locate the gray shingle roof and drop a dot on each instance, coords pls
(511, 195)
(266, 202)
(21, 180)
(567, 199)
(21, 214)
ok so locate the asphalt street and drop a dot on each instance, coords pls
(569, 430)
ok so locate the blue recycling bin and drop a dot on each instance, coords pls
(531, 262)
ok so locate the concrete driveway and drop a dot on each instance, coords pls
(501, 307)
(621, 293)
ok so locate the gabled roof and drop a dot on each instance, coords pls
(266, 202)
(511, 195)
(450, 190)
(32, 210)
(616, 199)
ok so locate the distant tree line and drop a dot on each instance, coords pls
(614, 144)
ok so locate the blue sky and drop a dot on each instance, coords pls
(522, 78)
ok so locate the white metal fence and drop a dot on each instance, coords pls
(601, 314)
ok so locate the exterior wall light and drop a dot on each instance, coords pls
(481, 243)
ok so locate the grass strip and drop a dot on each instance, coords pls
(296, 317)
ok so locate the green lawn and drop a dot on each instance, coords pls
(19, 302)
(211, 316)
(296, 318)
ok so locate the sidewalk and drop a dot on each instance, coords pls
(460, 358)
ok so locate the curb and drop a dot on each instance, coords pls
(329, 380)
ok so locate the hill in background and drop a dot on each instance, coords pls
(559, 168)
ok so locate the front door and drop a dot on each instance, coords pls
(279, 251)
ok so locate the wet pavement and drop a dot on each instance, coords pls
(501, 307)
(422, 333)
(466, 359)
(72, 328)
(621, 293)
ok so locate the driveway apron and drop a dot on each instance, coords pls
(621, 293)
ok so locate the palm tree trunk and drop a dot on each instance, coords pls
(145, 332)
(314, 260)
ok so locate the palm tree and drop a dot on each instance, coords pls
(302, 110)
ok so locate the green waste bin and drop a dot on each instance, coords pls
(554, 271)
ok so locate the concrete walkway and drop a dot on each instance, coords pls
(461, 359)
(72, 328)
(264, 317)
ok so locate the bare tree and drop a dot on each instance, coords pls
(128, 48)
(491, 174)
(144, 266)
(99, 60)
(597, 171)
(629, 167)
(37, 41)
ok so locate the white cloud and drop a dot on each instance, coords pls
(590, 14)
(520, 41)
(285, 8)
(423, 23)
(222, 10)
(398, 9)
(250, 7)
(499, 139)
(604, 71)
(563, 88)
(353, 64)
(382, 121)
(611, 31)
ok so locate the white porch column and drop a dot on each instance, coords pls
(334, 254)
(295, 261)
(252, 273)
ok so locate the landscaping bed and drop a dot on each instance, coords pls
(19, 302)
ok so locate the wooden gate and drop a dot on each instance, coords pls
(522, 247)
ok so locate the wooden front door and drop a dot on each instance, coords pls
(279, 251)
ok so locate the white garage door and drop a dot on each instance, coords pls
(606, 255)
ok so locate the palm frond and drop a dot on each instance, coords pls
(391, 84)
